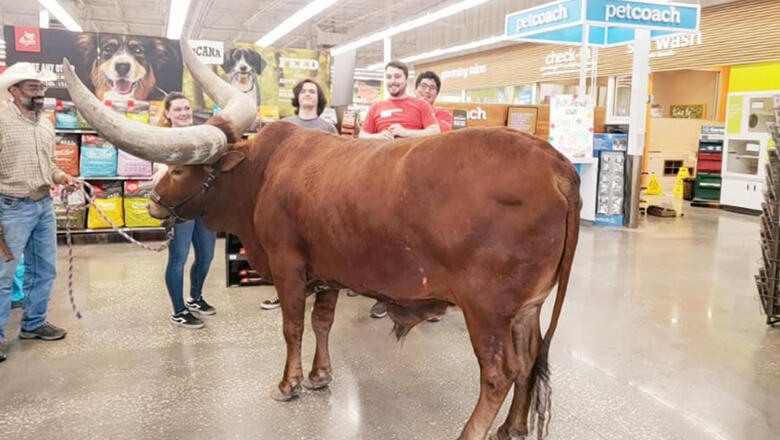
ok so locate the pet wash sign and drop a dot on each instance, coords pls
(609, 22)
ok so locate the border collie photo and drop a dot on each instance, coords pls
(242, 66)
(123, 67)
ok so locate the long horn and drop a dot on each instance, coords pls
(201, 144)
(236, 106)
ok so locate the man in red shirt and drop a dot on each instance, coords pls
(401, 116)
(426, 87)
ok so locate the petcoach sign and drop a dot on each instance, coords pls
(544, 18)
(671, 16)
(608, 22)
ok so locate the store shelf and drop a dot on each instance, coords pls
(74, 131)
(109, 230)
(585, 161)
(115, 178)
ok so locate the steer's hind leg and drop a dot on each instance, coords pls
(491, 338)
(527, 338)
(321, 322)
(290, 286)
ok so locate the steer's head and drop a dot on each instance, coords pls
(193, 153)
(182, 193)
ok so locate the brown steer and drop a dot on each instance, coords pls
(483, 219)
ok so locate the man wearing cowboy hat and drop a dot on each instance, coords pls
(27, 173)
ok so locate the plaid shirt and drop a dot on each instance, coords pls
(26, 155)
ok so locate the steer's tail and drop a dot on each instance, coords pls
(540, 375)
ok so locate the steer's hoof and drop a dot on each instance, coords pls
(280, 396)
(317, 384)
(504, 434)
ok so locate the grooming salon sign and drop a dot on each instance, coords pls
(610, 22)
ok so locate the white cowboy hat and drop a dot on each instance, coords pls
(21, 72)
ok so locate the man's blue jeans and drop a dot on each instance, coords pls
(29, 228)
(203, 240)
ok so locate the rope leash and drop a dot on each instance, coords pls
(90, 201)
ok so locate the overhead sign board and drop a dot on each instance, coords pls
(608, 22)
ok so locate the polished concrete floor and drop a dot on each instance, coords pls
(660, 338)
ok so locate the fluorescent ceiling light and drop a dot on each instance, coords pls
(453, 49)
(176, 18)
(61, 14)
(43, 19)
(444, 51)
(294, 21)
(409, 25)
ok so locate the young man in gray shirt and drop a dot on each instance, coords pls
(309, 102)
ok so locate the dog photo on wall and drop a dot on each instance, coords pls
(242, 66)
(123, 67)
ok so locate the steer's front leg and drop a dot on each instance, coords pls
(290, 286)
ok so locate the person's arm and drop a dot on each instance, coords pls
(57, 175)
(401, 132)
(387, 134)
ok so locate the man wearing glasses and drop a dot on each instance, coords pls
(27, 173)
(427, 87)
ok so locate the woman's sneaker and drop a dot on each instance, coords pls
(201, 306)
(270, 304)
(186, 319)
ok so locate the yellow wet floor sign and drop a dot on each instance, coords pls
(678, 184)
(654, 188)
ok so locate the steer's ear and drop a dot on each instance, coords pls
(229, 160)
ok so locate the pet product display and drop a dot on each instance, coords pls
(131, 166)
(135, 201)
(137, 111)
(66, 154)
(98, 157)
(65, 115)
(611, 149)
(75, 199)
(108, 196)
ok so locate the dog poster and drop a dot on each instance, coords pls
(115, 67)
(265, 74)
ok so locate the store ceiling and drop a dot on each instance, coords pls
(248, 20)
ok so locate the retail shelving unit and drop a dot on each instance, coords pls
(768, 278)
(82, 230)
(238, 272)
(745, 150)
(708, 165)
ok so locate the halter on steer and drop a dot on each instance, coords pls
(204, 186)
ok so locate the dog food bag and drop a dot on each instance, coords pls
(66, 154)
(155, 112)
(77, 217)
(108, 196)
(136, 199)
(49, 106)
(98, 157)
(81, 123)
(65, 115)
(131, 166)
(138, 111)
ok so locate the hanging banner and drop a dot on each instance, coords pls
(114, 67)
(208, 52)
(267, 75)
(571, 125)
